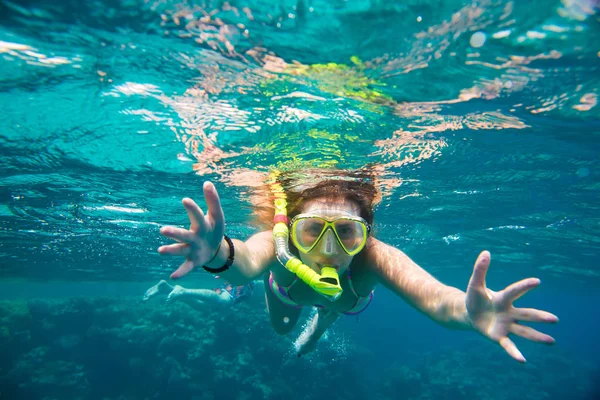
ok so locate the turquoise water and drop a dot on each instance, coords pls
(481, 119)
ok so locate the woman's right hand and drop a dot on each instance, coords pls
(201, 242)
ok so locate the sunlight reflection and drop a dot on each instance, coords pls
(30, 55)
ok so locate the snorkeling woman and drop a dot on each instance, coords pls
(321, 252)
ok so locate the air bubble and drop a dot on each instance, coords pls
(477, 39)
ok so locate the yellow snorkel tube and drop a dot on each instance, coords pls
(328, 282)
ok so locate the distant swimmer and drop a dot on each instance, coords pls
(224, 295)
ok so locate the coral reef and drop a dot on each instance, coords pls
(126, 349)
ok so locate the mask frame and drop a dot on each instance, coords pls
(329, 223)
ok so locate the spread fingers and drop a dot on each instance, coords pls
(177, 249)
(518, 289)
(181, 235)
(195, 215)
(533, 315)
(529, 333)
(511, 349)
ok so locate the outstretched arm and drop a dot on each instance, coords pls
(203, 243)
(252, 258)
(490, 313)
(395, 270)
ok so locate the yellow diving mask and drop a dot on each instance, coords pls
(309, 229)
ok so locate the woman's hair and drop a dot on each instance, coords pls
(356, 186)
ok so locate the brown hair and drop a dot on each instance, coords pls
(356, 186)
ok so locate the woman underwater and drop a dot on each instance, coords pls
(321, 252)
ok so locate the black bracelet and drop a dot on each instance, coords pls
(229, 259)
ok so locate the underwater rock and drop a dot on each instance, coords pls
(175, 346)
(68, 341)
(14, 313)
(37, 372)
(404, 380)
(126, 349)
(177, 375)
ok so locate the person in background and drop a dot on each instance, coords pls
(224, 295)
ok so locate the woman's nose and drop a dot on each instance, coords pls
(329, 246)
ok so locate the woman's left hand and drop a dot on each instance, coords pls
(493, 314)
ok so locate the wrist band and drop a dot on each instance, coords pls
(216, 252)
(229, 261)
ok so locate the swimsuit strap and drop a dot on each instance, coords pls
(361, 305)
(282, 292)
(349, 274)
(362, 302)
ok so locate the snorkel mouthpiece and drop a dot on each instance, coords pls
(328, 282)
(329, 274)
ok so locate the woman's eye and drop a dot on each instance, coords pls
(345, 232)
(314, 229)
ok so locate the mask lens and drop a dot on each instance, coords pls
(306, 231)
(352, 234)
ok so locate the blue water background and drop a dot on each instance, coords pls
(113, 111)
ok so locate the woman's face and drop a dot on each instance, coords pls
(328, 250)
